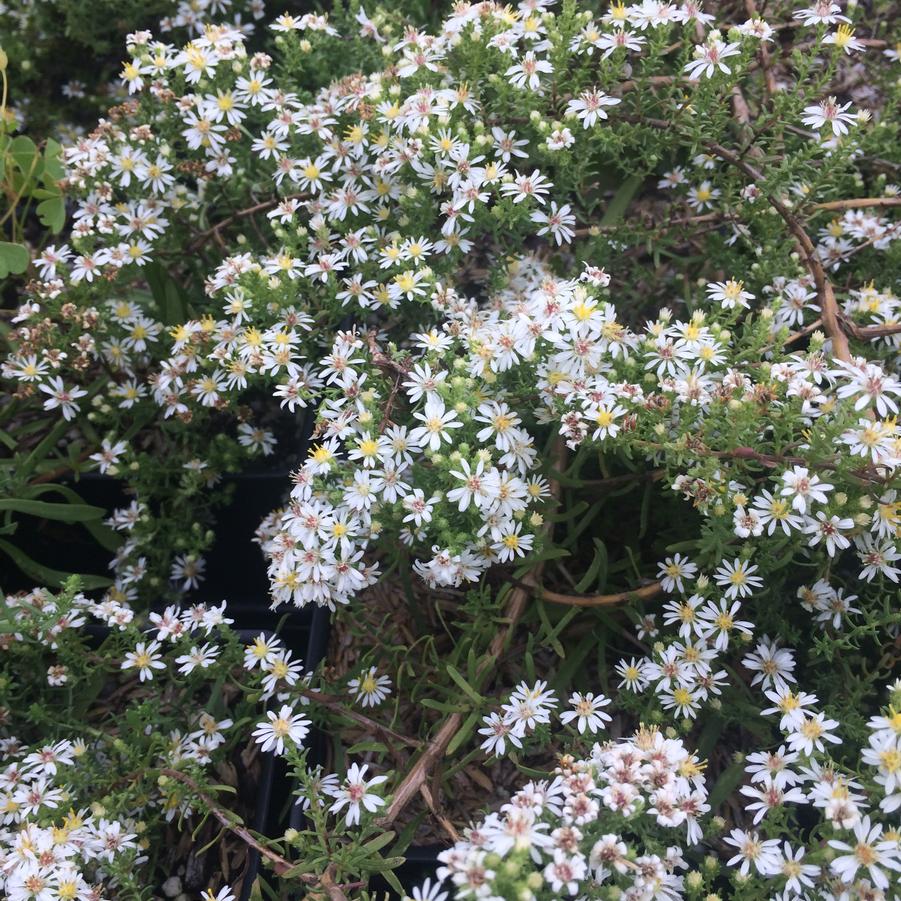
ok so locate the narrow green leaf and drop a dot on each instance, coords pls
(457, 676)
(379, 842)
(600, 557)
(44, 575)
(362, 746)
(616, 209)
(59, 512)
(463, 733)
(726, 784)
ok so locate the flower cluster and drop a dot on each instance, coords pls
(580, 829)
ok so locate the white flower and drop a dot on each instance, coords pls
(370, 689)
(736, 577)
(869, 851)
(203, 657)
(557, 222)
(473, 490)
(428, 891)
(511, 543)
(632, 673)
(673, 570)
(355, 793)
(823, 12)
(589, 106)
(799, 876)
(225, 893)
(525, 73)
(829, 112)
(499, 731)
(61, 397)
(804, 488)
(709, 58)
(145, 659)
(525, 186)
(762, 853)
(718, 621)
(436, 419)
(810, 734)
(281, 727)
(729, 294)
(588, 708)
(829, 530)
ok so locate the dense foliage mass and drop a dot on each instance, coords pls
(576, 327)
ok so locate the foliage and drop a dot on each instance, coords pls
(592, 311)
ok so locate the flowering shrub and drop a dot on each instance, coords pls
(591, 312)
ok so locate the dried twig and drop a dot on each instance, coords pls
(858, 203)
(338, 705)
(645, 593)
(516, 604)
(280, 864)
(214, 231)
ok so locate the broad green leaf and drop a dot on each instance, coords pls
(52, 213)
(25, 155)
(52, 159)
(13, 258)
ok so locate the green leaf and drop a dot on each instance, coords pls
(169, 299)
(52, 213)
(726, 784)
(362, 746)
(597, 572)
(468, 690)
(379, 842)
(621, 199)
(44, 575)
(13, 258)
(25, 155)
(463, 733)
(52, 159)
(549, 636)
(442, 706)
(106, 537)
(575, 658)
(60, 512)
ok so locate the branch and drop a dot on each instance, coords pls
(280, 864)
(828, 305)
(858, 203)
(213, 232)
(645, 593)
(337, 705)
(519, 595)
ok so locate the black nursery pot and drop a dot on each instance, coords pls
(420, 861)
(306, 637)
(235, 566)
(273, 783)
